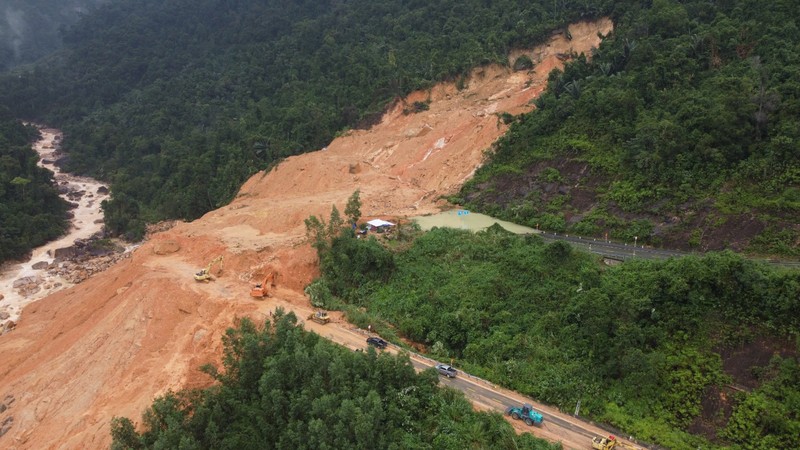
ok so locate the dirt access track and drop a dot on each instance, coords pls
(108, 346)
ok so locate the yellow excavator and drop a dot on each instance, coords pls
(262, 289)
(205, 274)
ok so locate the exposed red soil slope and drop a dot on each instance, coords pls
(108, 346)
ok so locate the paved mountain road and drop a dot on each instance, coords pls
(623, 251)
(572, 432)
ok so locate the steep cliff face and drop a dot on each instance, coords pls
(109, 345)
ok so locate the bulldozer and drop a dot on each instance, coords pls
(205, 274)
(609, 443)
(321, 317)
(262, 289)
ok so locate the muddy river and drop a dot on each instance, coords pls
(21, 284)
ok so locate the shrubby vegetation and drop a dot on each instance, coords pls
(282, 387)
(638, 344)
(176, 103)
(689, 109)
(31, 212)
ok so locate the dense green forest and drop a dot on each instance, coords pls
(282, 387)
(176, 103)
(30, 29)
(683, 130)
(31, 212)
(697, 352)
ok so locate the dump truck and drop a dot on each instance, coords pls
(526, 413)
(320, 317)
(205, 274)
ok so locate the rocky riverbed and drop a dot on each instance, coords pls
(82, 252)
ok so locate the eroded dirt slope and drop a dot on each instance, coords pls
(111, 344)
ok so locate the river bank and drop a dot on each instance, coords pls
(69, 259)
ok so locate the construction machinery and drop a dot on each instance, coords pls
(609, 443)
(262, 289)
(525, 412)
(321, 317)
(205, 274)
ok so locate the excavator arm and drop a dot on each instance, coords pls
(262, 289)
(205, 274)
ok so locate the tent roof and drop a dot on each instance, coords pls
(380, 223)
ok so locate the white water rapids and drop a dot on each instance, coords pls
(87, 220)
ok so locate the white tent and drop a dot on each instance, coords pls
(377, 223)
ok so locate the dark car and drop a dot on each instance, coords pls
(377, 342)
(446, 370)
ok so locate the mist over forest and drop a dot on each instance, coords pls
(30, 29)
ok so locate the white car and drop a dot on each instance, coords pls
(446, 370)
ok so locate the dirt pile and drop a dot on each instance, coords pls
(109, 345)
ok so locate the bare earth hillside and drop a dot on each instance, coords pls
(108, 346)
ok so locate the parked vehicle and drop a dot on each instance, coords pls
(377, 342)
(446, 370)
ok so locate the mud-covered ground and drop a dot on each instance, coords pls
(107, 346)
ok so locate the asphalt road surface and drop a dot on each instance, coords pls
(572, 432)
(623, 251)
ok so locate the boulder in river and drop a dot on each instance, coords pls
(64, 253)
(75, 195)
(62, 161)
(40, 265)
(19, 282)
(102, 190)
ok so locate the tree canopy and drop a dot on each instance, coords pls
(645, 345)
(30, 29)
(176, 103)
(282, 387)
(681, 130)
(31, 212)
